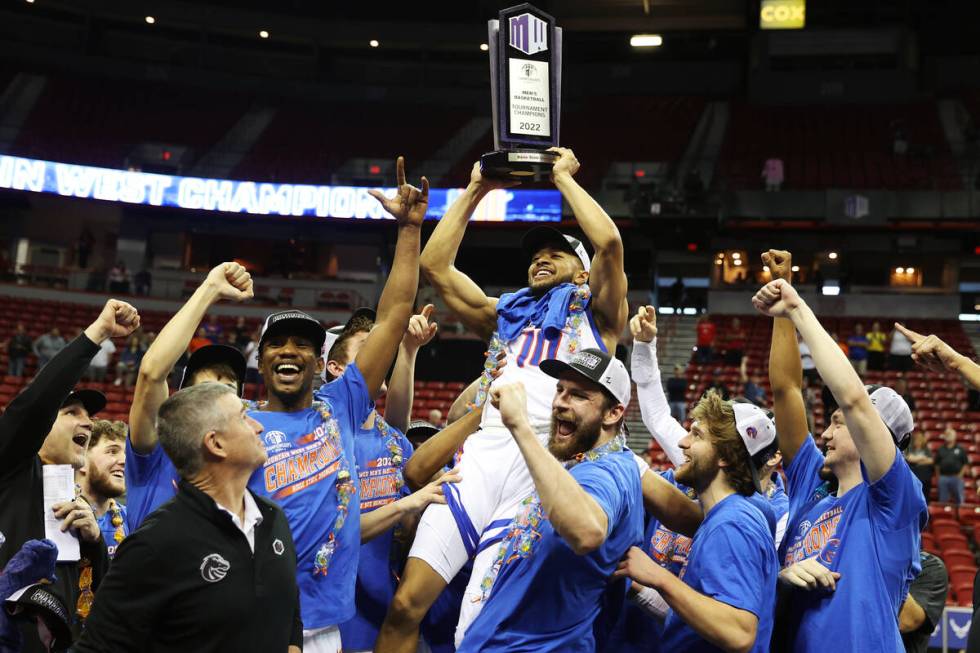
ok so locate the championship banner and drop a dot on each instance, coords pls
(255, 198)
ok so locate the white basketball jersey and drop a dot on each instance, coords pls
(524, 354)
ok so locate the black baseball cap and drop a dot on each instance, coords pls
(296, 323)
(41, 601)
(93, 400)
(596, 366)
(419, 429)
(536, 238)
(212, 355)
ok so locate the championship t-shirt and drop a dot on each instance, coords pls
(151, 481)
(732, 560)
(306, 453)
(870, 535)
(636, 631)
(109, 530)
(545, 597)
(375, 450)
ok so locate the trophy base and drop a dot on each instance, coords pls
(518, 164)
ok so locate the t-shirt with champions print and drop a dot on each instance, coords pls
(870, 535)
(376, 582)
(300, 475)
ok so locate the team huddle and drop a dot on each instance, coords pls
(310, 521)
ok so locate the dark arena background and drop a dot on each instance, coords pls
(144, 142)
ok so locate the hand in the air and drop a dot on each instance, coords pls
(930, 351)
(409, 204)
(566, 164)
(232, 281)
(643, 325)
(780, 263)
(511, 401)
(117, 320)
(420, 330)
(777, 299)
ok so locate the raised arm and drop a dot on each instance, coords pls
(786, 369)
(576, 516)
(437, 452)
(932, 353)
(401, 386)
(654, 409)
(398, 297)
(27, 419)
(607, 279)
(871, 437)
(226, 281)
(462, 295)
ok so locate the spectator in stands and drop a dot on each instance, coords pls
(843, 345)
(809, 367)
(18, 347)
(677, 292)
(877, 339)
(143, 280)
(735, 338)
(48, 424)
(902, 388)
(435, 417)
(900, 145)
(923, 607)
(899, 352)
(751, 385)
(240, 334)
(242, 595)
(714, 383)
(100, 362)
(773, 174)
(706, 339)
(252, 358)
(86, 241)
(47, 346)
(866, 535)
(920, 459)
(103, 481)
(213, 330)
(677, 394)
(951, 463)
(129, 362)
(96, 279)
(857, 350)
(119, 278)
(200, 340)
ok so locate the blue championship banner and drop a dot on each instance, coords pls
(255, 198)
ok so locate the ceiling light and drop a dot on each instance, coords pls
(646, 40)
(832, 256)
(149, 19)
(484, 47)
(263, 34)
(373, 43)
(796, 268)
(899, 270)
(765, 268)
(909, 270)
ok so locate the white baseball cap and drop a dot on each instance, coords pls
(758, 434)
(597, 366)
(894, 412)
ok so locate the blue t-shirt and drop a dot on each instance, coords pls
(375, 587)
(732, 560)
(151, 481)
(109, 531)
(545, 597)
(881, 521)
(857, 348)
(636, 631)
(300, 476)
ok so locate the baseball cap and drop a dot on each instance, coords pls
(212, 355)
(758, 434)
(92, 400)
(597, 366)
(40, 602)
(334, 332)
(420, 429)
(296, 323)
(894, 412)
(538, 237)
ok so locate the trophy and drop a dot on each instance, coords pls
(525, 83)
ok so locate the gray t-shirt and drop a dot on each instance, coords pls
(929, 591)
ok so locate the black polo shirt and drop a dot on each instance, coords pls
(187, 580)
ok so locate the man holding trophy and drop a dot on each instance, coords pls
(570, 304)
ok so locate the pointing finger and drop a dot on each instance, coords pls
(909, 333)
(427, 311)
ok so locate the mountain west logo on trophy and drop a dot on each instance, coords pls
(528, 34)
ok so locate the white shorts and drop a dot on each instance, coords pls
(495, 480)
(322, 640)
